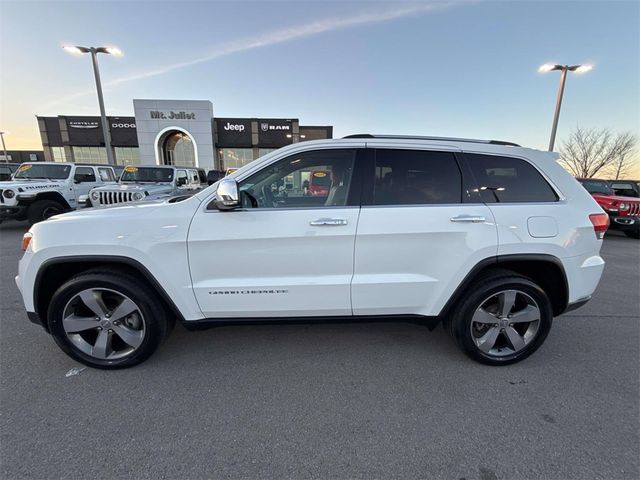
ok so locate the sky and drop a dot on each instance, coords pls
(447, 68)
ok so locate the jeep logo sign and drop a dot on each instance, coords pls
(171, 115)
(235, 127)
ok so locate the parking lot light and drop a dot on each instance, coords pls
(94, 51)
(549, 67)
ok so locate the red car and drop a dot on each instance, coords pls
(624, 212)
(319, 183)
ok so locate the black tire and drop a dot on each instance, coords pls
(459, 324)
(42, 209)
(633, 234)
(157, 323)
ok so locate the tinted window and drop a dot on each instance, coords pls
(412, 177)
(509, 180)
(85, 174)
(596, 186)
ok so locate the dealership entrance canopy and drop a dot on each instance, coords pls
(172, 132)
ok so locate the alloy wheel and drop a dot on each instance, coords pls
(505, 323)
(103, 323)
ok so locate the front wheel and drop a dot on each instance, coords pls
(504, 319)
(107, 319)
(42, 209)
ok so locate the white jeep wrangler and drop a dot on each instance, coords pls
(491, 239)
(40, 190)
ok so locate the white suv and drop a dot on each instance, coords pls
(488, 237)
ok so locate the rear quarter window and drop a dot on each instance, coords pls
(503, 179)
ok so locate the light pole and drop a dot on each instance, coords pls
(94, 51)
(4, 148)
(549, 67)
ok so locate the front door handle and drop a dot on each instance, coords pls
(468, 219)
(328, 222)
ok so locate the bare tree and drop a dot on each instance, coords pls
(589, 151)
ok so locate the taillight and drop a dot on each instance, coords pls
(26, 240)
(600, 223)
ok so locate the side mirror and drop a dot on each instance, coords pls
(227, 195)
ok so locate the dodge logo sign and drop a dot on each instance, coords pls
(123, 125)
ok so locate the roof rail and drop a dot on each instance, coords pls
(444, 139)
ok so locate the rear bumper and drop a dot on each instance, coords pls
(583, 276)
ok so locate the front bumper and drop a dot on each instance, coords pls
(625, 224)
(17, 212)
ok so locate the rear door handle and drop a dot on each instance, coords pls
(468, 219)
(328, 222)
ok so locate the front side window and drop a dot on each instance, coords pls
(414, 177)
(310, 179)
(84, 174)
(35, 171)
(508, 180)
(146, 174)
(181, 178)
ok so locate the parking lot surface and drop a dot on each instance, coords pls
(366, 400)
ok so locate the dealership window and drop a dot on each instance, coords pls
(234, 157)
(509, 180)
(264, 151)
(127, 155)
(57, 154)
(90, 155)
(413, 177)
(178, 149)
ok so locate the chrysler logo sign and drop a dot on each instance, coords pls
(171, 115)
(82, 124)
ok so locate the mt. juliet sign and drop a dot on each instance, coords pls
(171, 115)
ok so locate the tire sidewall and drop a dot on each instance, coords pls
(461, 326)
(37, 209)
(154, 318)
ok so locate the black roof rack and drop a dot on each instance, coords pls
(446, 139)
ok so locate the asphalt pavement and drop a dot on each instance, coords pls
(369, 400)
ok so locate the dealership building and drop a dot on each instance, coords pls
(172, 132)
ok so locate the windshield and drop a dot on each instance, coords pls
(146, 174)
(594, 186)
(48, 171)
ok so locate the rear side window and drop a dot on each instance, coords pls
(508, 180)
(106, 174)
(414, 177)
(85, 174)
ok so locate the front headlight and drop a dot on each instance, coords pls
(9, 194)
(623, 206)
(95, 196)
(138, 196)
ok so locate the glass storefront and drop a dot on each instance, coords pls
(57, 154)
(234, 157)
(177, 149)
(90, 155)
(127, 155)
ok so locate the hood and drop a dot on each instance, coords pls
(135, 187)
(32, 185)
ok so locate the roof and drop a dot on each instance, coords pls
(440, 139)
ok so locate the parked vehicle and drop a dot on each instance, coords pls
(625, 188)
(40, 190)
(624, 212)
(139, 183)
(214, 175)
(491, 239)
(6, 170)
(319, 183)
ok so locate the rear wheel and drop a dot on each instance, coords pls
(504, 319)
(106, 319)
(42, 209)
